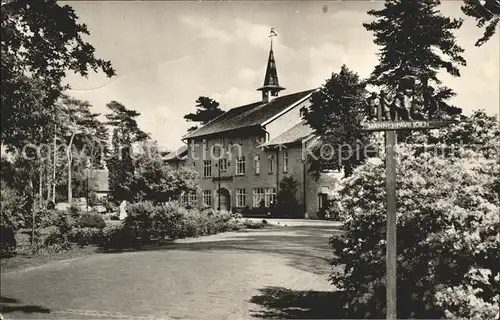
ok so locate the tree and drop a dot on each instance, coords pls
(336, 112)
(154, 180)
(479, 132)
(416, 42)
(287, 203)
(207, 110)
(126, 132)
(447, 220)
(79, 120)
(486, 14)
(40, 42)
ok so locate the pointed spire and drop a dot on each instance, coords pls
(271, 85)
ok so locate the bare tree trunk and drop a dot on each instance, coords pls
(54, 168)
(48, 179)
(40, 185)
(70, 159)
(33, 209)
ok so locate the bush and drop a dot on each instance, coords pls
(13, 210)
(92, 220)
(118, 237)
(86, 236)
(148, 222)
(253, 225)
(74, 212)
(7, 239)
(447, 235)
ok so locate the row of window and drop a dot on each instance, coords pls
(261, 196)
(241, 165)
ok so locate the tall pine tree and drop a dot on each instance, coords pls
(487, 15)
(207, 110)
(415, 41)
(126, 132)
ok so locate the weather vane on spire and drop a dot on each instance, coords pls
(272, 34)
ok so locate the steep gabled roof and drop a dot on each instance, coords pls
(295, 134)
(179, 154)
(248, 115)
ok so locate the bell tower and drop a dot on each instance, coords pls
(271, 86)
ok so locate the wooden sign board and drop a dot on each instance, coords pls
(402, 113)
(403, 125)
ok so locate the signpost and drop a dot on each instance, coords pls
(402, 113)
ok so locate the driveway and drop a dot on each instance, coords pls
(271, 273)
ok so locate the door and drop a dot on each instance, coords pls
(225, 200)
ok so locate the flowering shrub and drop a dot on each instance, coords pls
(447, 237)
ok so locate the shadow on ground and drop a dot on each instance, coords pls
(283, 303)
(10, 305)
(307, 249)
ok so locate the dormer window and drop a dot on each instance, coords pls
(303, 112)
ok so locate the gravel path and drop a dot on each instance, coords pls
(279, 272)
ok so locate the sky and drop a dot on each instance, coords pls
(167, 54)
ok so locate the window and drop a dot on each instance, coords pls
(303, 112)
(240, 166)
(241, 195)
(270, 196)
(239, 140)
(271, 163)
(207, 168)
(223, 165)
(188, 198)
(258, 196)
(216, 151)
(322, 200)
(184, 198)
(285, 161)
(207, 198)
(194, 164)
(192, 198)
(257, 164)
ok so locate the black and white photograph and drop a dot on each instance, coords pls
(226, 160)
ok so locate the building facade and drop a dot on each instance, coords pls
(244, 154)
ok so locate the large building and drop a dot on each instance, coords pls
(243, 155)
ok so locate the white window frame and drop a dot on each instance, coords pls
(241, 198)
(207, 198)
(223, 165)
(240, 166)
(258, 196)
(285, 161)
(256, 161)
(207, 168)
(270, 195)
(184, 198)
(216, 151)
(192, 198)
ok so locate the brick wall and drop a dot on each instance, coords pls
(244, 144)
